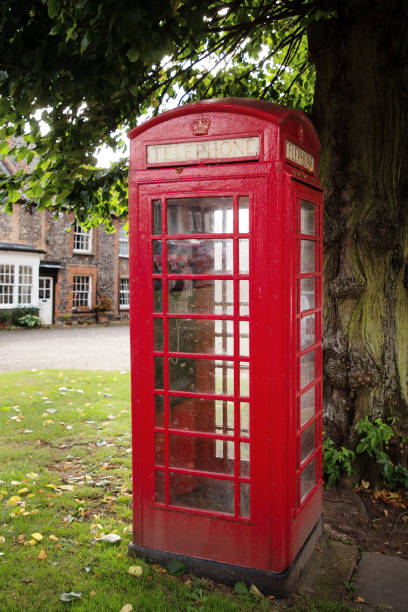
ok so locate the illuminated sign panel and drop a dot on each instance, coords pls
(227, 148)
(299, 156)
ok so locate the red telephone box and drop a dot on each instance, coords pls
(226, 279)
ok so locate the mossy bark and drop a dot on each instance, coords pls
(361, 114)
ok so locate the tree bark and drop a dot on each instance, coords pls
(361, 114)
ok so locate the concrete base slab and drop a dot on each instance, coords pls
(382, 581)
(329, 570)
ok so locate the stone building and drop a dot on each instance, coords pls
(74, 275)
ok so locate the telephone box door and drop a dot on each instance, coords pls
(198, 488)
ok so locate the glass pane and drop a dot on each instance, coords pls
(157, 257)
(244, 419)
(307, 218)
(201, 375)
(244, 501)
(158, 334)
(307, 369)
(193, 256)
(307, 331)
(158, 372)
(244, 379)
(225, 449)
(201, 336)
(244, 459)
(244, 256)
(157, 295)
(198, 296)
(211, 215)
(307, 443)
(156, 217)
(159, 448)
(200, 414)
(160, 488)
(198, 454)
(243, 214)
(244, 338)
(244, 298)
(307, 479)
(307, 294)
(202, 493)
(307, 405)
(307, 256)
(159, 410)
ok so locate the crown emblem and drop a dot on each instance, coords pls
(200, 126)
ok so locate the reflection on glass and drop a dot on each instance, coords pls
(158, 411)
(201, 336)
(244, 419)
(194, 256)
(307, 294)
(307, 479)
(158, 334)
(159, 488)
(244, 256)
(212, 215)
(244, 459)
(224, 449)
(307, 256)
(201, 296)
(190, 491)
(244, 379)
(307, 405)
(198, 454)
(307, 443)
(159, 448)
(244, 298)
(307, 369)
(158, 372)
(157, 295)
(244, 338)
(307, 218)
(307, 331)
(243, 214)
(244, 500)
(200, 414)
(157, 257)
(156, 217)
(201, 375)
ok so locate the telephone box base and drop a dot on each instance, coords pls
(280, 584)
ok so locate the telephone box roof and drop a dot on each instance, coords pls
(268, 111)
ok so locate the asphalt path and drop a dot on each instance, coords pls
(89, 348)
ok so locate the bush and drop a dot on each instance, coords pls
(13, 316)
(18, 313)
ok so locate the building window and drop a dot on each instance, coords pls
(82, 239)
(25, 284)
(123, 242)
(124, 293)
(82, 292)
(16, 285)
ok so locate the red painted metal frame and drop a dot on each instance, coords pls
(278, 524)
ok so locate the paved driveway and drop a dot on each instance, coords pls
(100, 347)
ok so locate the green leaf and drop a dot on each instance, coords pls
(241, 588)
(4, 148)
(3, 75)
(133, 54)
(176, 567)
(53, 8)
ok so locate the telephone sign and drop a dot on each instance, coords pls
(226, 277)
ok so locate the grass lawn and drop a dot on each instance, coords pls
(65, 483)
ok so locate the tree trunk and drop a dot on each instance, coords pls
(361, 114)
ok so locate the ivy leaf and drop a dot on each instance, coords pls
(240, 588)
(53, 7)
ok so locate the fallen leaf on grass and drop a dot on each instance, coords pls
(111, 538)
(43, 555)
(53, 538)
(359, 600)
(127, 608)
(70, 596)
(37, 536)
(255, 591)
(135, 570)
(2, 540)
(13, 500)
